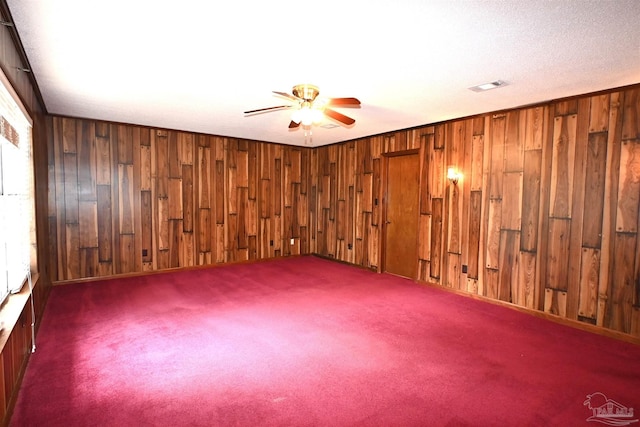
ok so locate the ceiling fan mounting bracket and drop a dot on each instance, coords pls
(306, 91)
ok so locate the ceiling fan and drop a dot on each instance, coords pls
(310, 108)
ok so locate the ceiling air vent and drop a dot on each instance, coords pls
(329, 126)
(488, 86)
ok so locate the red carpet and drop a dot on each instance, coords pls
(309, 342)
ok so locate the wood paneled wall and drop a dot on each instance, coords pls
(545, 215)
(347, 189)
(129, 199)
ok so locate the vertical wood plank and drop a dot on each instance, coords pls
(610, 206)
(534, 132)
(70, 169)
(511, 204)
(124, 136)
(219, 184)
(496, 167)
(599, 113)
(594, 190)
(524, 294)
(424, 236)
(476, 174)
(492, 241)
(87, 162)
(631, 114)
(104, 218)
(146, 215)
(162, 226)
(88, 224)
(187, 198)
(564, 141)
(475, 213)
(558, 260)
(204, 173)
(589, 274)
(145, 168)
(69, 144)
(277, 187)
(175, 168)
(436, 237)
(73, 251)
(555, 302)
(629, 187)
(162, 164)
(531, 179)
(126, 210)
(454, 223)
(127, 254)
(513, 142)
(508, 270)
(425, 195)
(619, 314)
(103, 160)
(437, 175)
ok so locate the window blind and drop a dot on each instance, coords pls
(16, 194)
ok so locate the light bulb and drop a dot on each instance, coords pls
(453, 175)
(306, 116)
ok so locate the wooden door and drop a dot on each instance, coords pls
(401, 225)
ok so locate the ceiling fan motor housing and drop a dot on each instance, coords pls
(306, 92)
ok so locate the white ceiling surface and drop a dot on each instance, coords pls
(198, 65)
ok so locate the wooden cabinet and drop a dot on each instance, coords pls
(17, 345)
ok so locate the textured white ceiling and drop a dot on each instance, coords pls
(196, 65)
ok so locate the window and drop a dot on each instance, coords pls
(17, 231)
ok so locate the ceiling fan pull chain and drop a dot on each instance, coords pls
(308, 137)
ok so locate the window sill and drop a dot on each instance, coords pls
(11, 310)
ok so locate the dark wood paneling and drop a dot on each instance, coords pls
(148, 198)
(545, 214)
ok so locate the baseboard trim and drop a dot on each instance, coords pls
(621, 336)
(167, 270)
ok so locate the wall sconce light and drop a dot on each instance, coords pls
(453, 175)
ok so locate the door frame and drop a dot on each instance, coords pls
(384, 173)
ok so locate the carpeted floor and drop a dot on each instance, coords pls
(309, 342)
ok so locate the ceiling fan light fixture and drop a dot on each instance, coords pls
(310, 110)
(308, 116)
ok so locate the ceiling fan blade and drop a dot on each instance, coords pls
(267, 109)
(343, 101)
(287, 95)
(293, 125)
(339, 116)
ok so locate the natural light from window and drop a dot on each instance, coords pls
(17, 231)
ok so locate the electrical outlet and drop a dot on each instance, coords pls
(349, 246)
(292, 242)
(464, 268)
